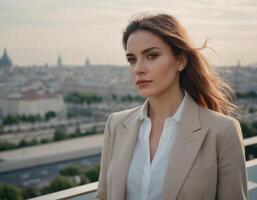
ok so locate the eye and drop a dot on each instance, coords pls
(152, 56)
(131, 60)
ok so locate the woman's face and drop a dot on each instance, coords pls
(152, 60)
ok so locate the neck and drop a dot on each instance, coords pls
(163, 106)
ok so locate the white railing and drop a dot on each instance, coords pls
(70, 193)
(250, 141)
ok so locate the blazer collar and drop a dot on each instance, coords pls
(189, 116)
(143, 113)
(189, 137)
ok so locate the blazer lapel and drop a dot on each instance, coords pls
(189, 138)
(127, 133)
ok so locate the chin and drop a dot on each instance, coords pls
(147, 93)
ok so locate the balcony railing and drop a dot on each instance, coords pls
(84, 192)
(88, 191)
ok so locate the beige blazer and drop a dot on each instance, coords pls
(206, 162)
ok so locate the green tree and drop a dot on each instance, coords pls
(78, 130)
(45, 140)
(247, 130)
(10, 120)
(33, 142)
(23, 143)
(114, 97)
(81, 98)
(10, 192)
(30, 192)
(70, 171)
(5, 145)
(247, 95)
(254, 124)
(32, 118)
(74, 97)
(50, 115)
(252, 94)
(93, 173)
(127, 97)
(252, 110)
(58, 184)
(1, 128)
(60, 134)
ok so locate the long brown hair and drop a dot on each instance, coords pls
(198, 78)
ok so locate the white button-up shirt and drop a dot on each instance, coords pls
(145, 178)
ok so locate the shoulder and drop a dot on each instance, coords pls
(120, 116)
(225, 129)
(127, 112)
(213, 119)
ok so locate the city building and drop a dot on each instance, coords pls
(31, 102)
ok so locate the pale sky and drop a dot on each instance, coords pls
(38, 31)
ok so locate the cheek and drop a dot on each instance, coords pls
(167, 78)
(166, 71)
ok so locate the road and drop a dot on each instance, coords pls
(41, 175)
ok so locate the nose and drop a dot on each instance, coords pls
(140, 67)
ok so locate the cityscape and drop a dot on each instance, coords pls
(63, 71)
(53, 117)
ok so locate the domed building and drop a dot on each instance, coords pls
(5, 61)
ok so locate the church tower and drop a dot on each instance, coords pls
(5, 61)
(59, 61)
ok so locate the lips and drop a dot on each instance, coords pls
(143, 81)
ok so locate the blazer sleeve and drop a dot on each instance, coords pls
(101, 193)
(232, 175)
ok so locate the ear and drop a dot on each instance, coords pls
(182, 61)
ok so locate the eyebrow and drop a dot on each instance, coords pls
(144, 51)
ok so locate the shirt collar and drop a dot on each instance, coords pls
(177, 115)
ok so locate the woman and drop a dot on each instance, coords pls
(182, 142)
